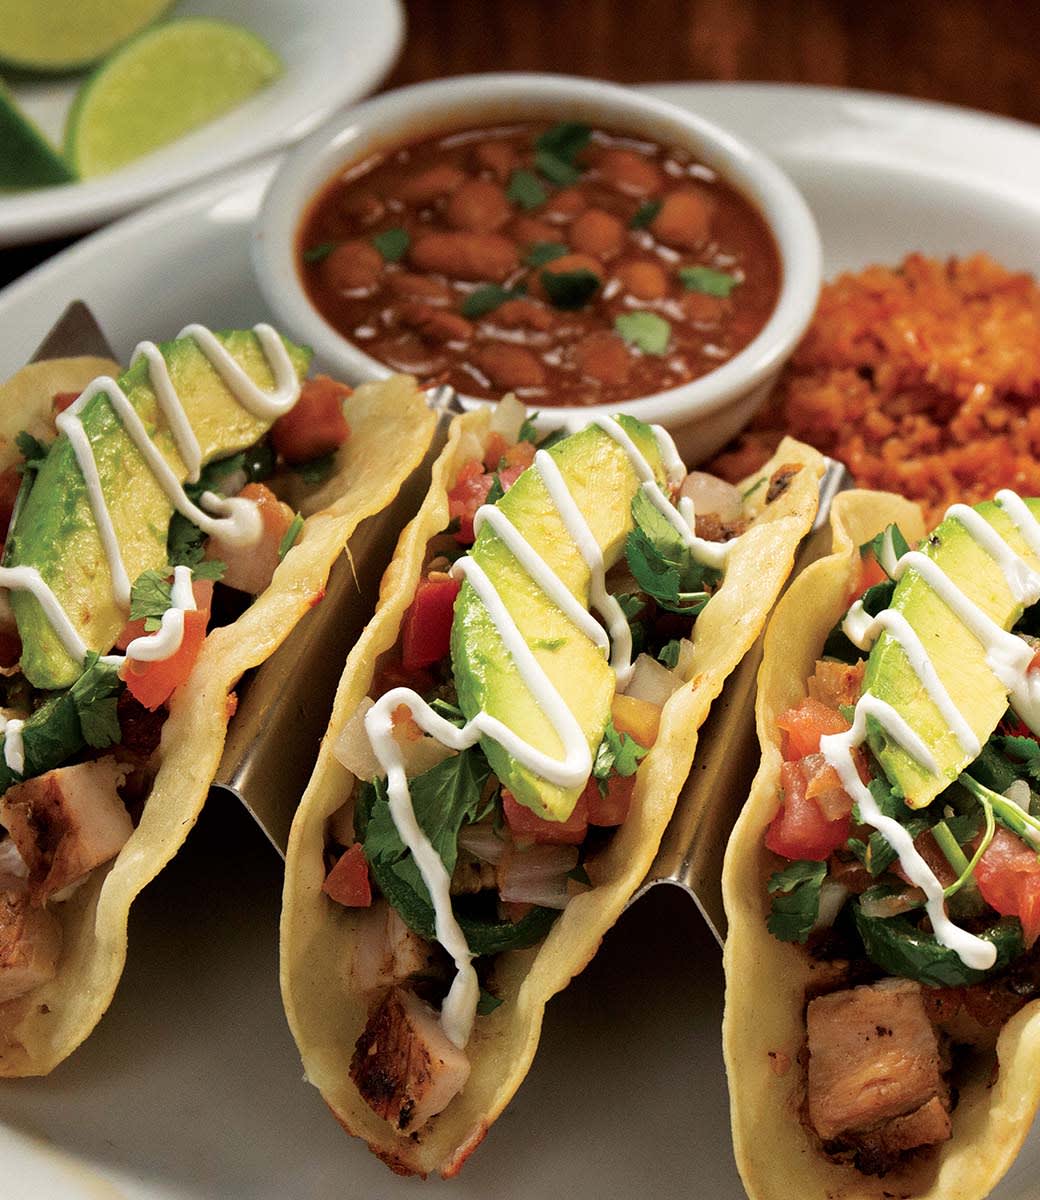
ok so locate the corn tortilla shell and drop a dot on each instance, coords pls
(766, 979)
(390, 429)
(317, 935)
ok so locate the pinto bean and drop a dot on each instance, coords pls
(643, 279)
(479, 205)
(529, 230)
(705, 309)
(603, 356)
(352, 266)
(436, 324)
(629, 172)
(509, 366)
(460, 255)
(364, 207)
(685, 218)
(523, 314)
(500, 158)
(565, 206)
(598, 233)
(425, 187)
(419, 287)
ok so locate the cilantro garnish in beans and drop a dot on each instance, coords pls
(571, 264)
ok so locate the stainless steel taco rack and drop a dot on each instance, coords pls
(284, 705)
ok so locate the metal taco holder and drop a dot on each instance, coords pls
(294, 689)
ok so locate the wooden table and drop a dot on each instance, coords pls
(980, 53)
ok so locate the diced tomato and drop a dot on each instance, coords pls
(1008, 875)
(640, 719)
(251, 568)
(494, 451)
(391, 674)
(520, 454)
(804, 724)
(426, 633)
(348, 883)
(799, 829)
(527, 827)
(471, 490)
(610, 809)
(870, 572)
(10, 482)
(60, 401)
(153, 683)
(315, 425)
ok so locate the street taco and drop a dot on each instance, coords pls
(534, 837)
(881, 1032)
(149, 561)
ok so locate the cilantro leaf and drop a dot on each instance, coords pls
(94, 697)
(526, 189)
(1026, 750)
(669, 654)
(496, 491)
(796, 900)
(644, 214)
(555, 169)
(708, 281)
(319, 252)
(290, 536)
(617, 754)
(645, 330)
(487, 298)
(209, 568)
(31, 449)
(444, 798)
(877, 854)
(663, 564)
(570, 290)
(392, 244)
(528, 432)
(542, 252)
(564, 141)
(876, 545)
(150, 598)
(487, 1003)
(317, 470)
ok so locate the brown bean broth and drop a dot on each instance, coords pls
(398, 330)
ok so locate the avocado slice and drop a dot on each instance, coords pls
(602, 482)
(957, 655)
(54, 527)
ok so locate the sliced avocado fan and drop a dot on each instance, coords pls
(54, 528)
(602, 482)
(958, 657)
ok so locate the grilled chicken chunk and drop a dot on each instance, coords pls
(404, 1066)
(875, 1070)
(387, 951)
(30, 944)
(66, 822)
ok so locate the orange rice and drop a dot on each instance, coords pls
(923, 380)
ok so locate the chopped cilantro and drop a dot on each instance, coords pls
(487, 298)
(669, 654)
(618, 754)
(31, 449)
(707, 280)
(663, 564)
(645, 213)
(570, 290)
(528, 432)
(487, 1003)
(149, 599)
(209, 568)
(450, 712)
(645, 330)
(496, 491)
(876, 546)
(1025, 750)
(290, 536)
(557, 149)
(94, 696)
(392, 244)
(745, 495)
(316, 254)
(555, 169)
(796, 900)
(526, 189)
(876, 854)
(542, 252)
(317, 470)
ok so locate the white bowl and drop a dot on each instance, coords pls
(703, 414)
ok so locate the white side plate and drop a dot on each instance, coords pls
(191, 1088)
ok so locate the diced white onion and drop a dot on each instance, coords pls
(470, 447)
(353, 749)
(483, 842)
(712, 495)
(832, 896)
(652, 681)
(508, 417)
(1018, 793)
(537, 876)
(422, 755)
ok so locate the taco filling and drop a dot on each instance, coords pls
(908, 832)
(149, 514)
(499, 745)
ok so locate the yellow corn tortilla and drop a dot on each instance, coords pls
(317, 935)
(390, 430)
(763, 1028)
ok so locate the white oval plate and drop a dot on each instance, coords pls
(334, 52)
(190, 1089)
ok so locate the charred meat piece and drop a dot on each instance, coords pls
(875, 1072)
(30, 944)
(404, 1065)
(67, 822)
(388, 952)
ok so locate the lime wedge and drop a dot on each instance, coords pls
(64, 35)
(27, 159)
(166, 81)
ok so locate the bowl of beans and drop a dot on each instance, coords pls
(574, 242)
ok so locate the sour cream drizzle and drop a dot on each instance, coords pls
(1008, 657)
(573, 769)
(240, 522)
